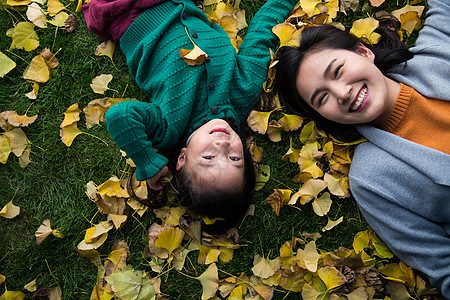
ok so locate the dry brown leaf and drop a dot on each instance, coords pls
(50, 58)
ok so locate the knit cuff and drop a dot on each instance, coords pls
(149, 165)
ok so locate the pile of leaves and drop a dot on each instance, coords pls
(366, 271)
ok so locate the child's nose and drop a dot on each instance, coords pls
(222, 142)
(343, 93)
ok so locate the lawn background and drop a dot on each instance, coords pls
(53, 185)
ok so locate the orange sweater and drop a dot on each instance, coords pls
(422, 120)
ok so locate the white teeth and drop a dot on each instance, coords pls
(360, 100)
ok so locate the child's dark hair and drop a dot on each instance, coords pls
(228, 208)
(389, 51)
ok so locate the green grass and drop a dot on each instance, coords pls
(53, 185)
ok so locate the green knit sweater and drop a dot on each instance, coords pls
(183, 97)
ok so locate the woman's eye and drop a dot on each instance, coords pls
(234, 158)
(208, 157)
(336, 73)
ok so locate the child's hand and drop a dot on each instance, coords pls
(155, 182)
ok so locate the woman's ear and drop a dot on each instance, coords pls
(181, 159)
(366, 52)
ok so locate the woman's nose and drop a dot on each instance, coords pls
(343, 93)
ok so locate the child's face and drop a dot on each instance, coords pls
(215, 155)
(346, 86)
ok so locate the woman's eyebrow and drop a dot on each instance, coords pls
(325, 75)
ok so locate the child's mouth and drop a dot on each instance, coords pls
(219, 130)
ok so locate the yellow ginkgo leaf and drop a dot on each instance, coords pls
(112, 188)
(331, 277)
(13, 295)
(100, 83)
(59, 19)
(309, 256)
(407, 8)
(258, 120)
(18, 141)
(18, 2)
(95, 232)
(5, 148)
(210, 281)
(287, 34)
(334, 185)
(262, 268)
(262, 176)
(10, 211)
(193, 57)
(332, 8)
(309, 133)
(292, 154)
(309, 165)
(229, 24)
(6, 64)
(31, 286)
(331, 224)
(376, 3)
(239, 15)
(361, 241)
(36, 15)
(34, 92)
(43, 231)
(17, 120)
(118, 220)
(212, 256)
(409, 21)
(71, 115)
(274, 131)
(24, 37)
(38, 70)
(54, 7)
(308, 6)
(322, 205)
(310, 293)
(313, 187)
(171, 215)
(257, 153)
(364, 29)
(69, 133)
(170, 239)
(290, 122)
(106, 49)
(129, 284)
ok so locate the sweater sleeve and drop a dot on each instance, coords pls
(135, 126)
(254, 57)
(406, 208)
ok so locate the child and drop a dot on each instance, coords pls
(399, 100)
(201, 105)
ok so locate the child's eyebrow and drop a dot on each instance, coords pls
(325, 75)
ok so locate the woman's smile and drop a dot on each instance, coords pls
(360, 101)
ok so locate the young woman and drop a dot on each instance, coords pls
(201, 106)
(400, 101)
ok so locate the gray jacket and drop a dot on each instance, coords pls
(403, 188)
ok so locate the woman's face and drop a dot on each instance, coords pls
(345, 86)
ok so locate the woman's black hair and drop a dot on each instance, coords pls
(227, 207)
(389, 51)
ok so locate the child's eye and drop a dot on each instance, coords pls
(321, 98)
(234, 158)
(208, 157)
